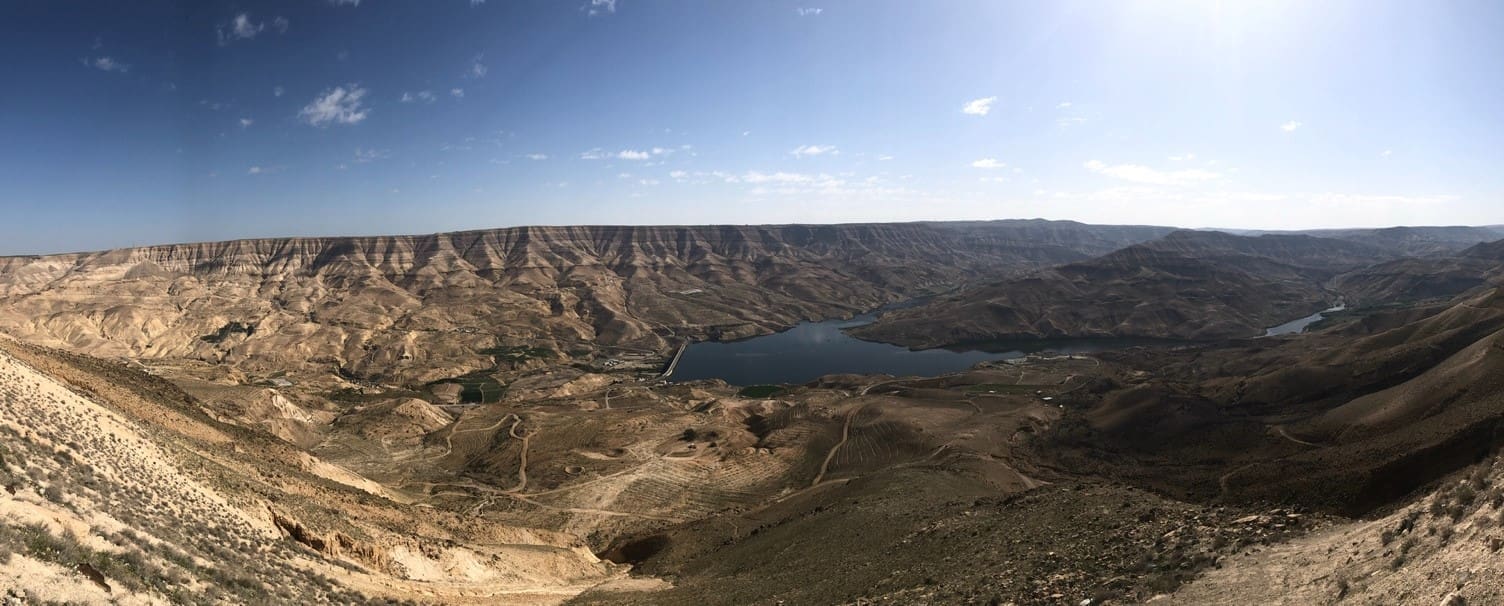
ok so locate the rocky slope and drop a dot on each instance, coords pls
(1187, 285)
(1417, 241)
(120, 489)
(417, 308)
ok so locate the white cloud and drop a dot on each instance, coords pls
(1069, 120)
(422, 95)
(988, 163)
(1063, 105)
(632, 154)
(475, 3)
(600, 7)
(108, 64)
(243, 28)
(278, 91)
(256, 170)
(537, 156)
(648, 182)
(363, 155)
(339, 105)
(1386, 153)
(678, 175)
(1290, 126)
(815, 150)
(246, 122)
(884, 158)
(1144, 174)
(458, 93)
(1185, 157)
(477, 69)
(344, 2)
(978, 107)
(808, 12)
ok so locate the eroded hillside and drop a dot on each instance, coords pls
(1188, 285)
(419, 308)
(242, 398)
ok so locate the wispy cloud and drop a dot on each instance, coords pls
(1143, 174)
(979, 107)
(477, 69)
(989, 164)
(339, 105)
(257, 170)
(1183, 157)
(425, 96)
(537, 156)
(1063, 105)
(241, 27)
(278, 91)
(815, 150)
(776, 177)
(475, 3)
(108, 64)
(344, 2)
(626, 154)
(1290, 126)
(363, 155)
(246, 122)
(808, 12)
(595, 8)
(458, 93)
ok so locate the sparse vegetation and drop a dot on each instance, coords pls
(517, 353)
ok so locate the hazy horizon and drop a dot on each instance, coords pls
(183, 121)
(1225, 229)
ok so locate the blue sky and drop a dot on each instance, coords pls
(129, 123)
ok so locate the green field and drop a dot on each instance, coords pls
(476, 388)
(760, 391)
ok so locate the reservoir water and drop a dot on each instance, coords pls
(814, 349)
(1299, 325)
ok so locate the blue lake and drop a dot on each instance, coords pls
(814, 349)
